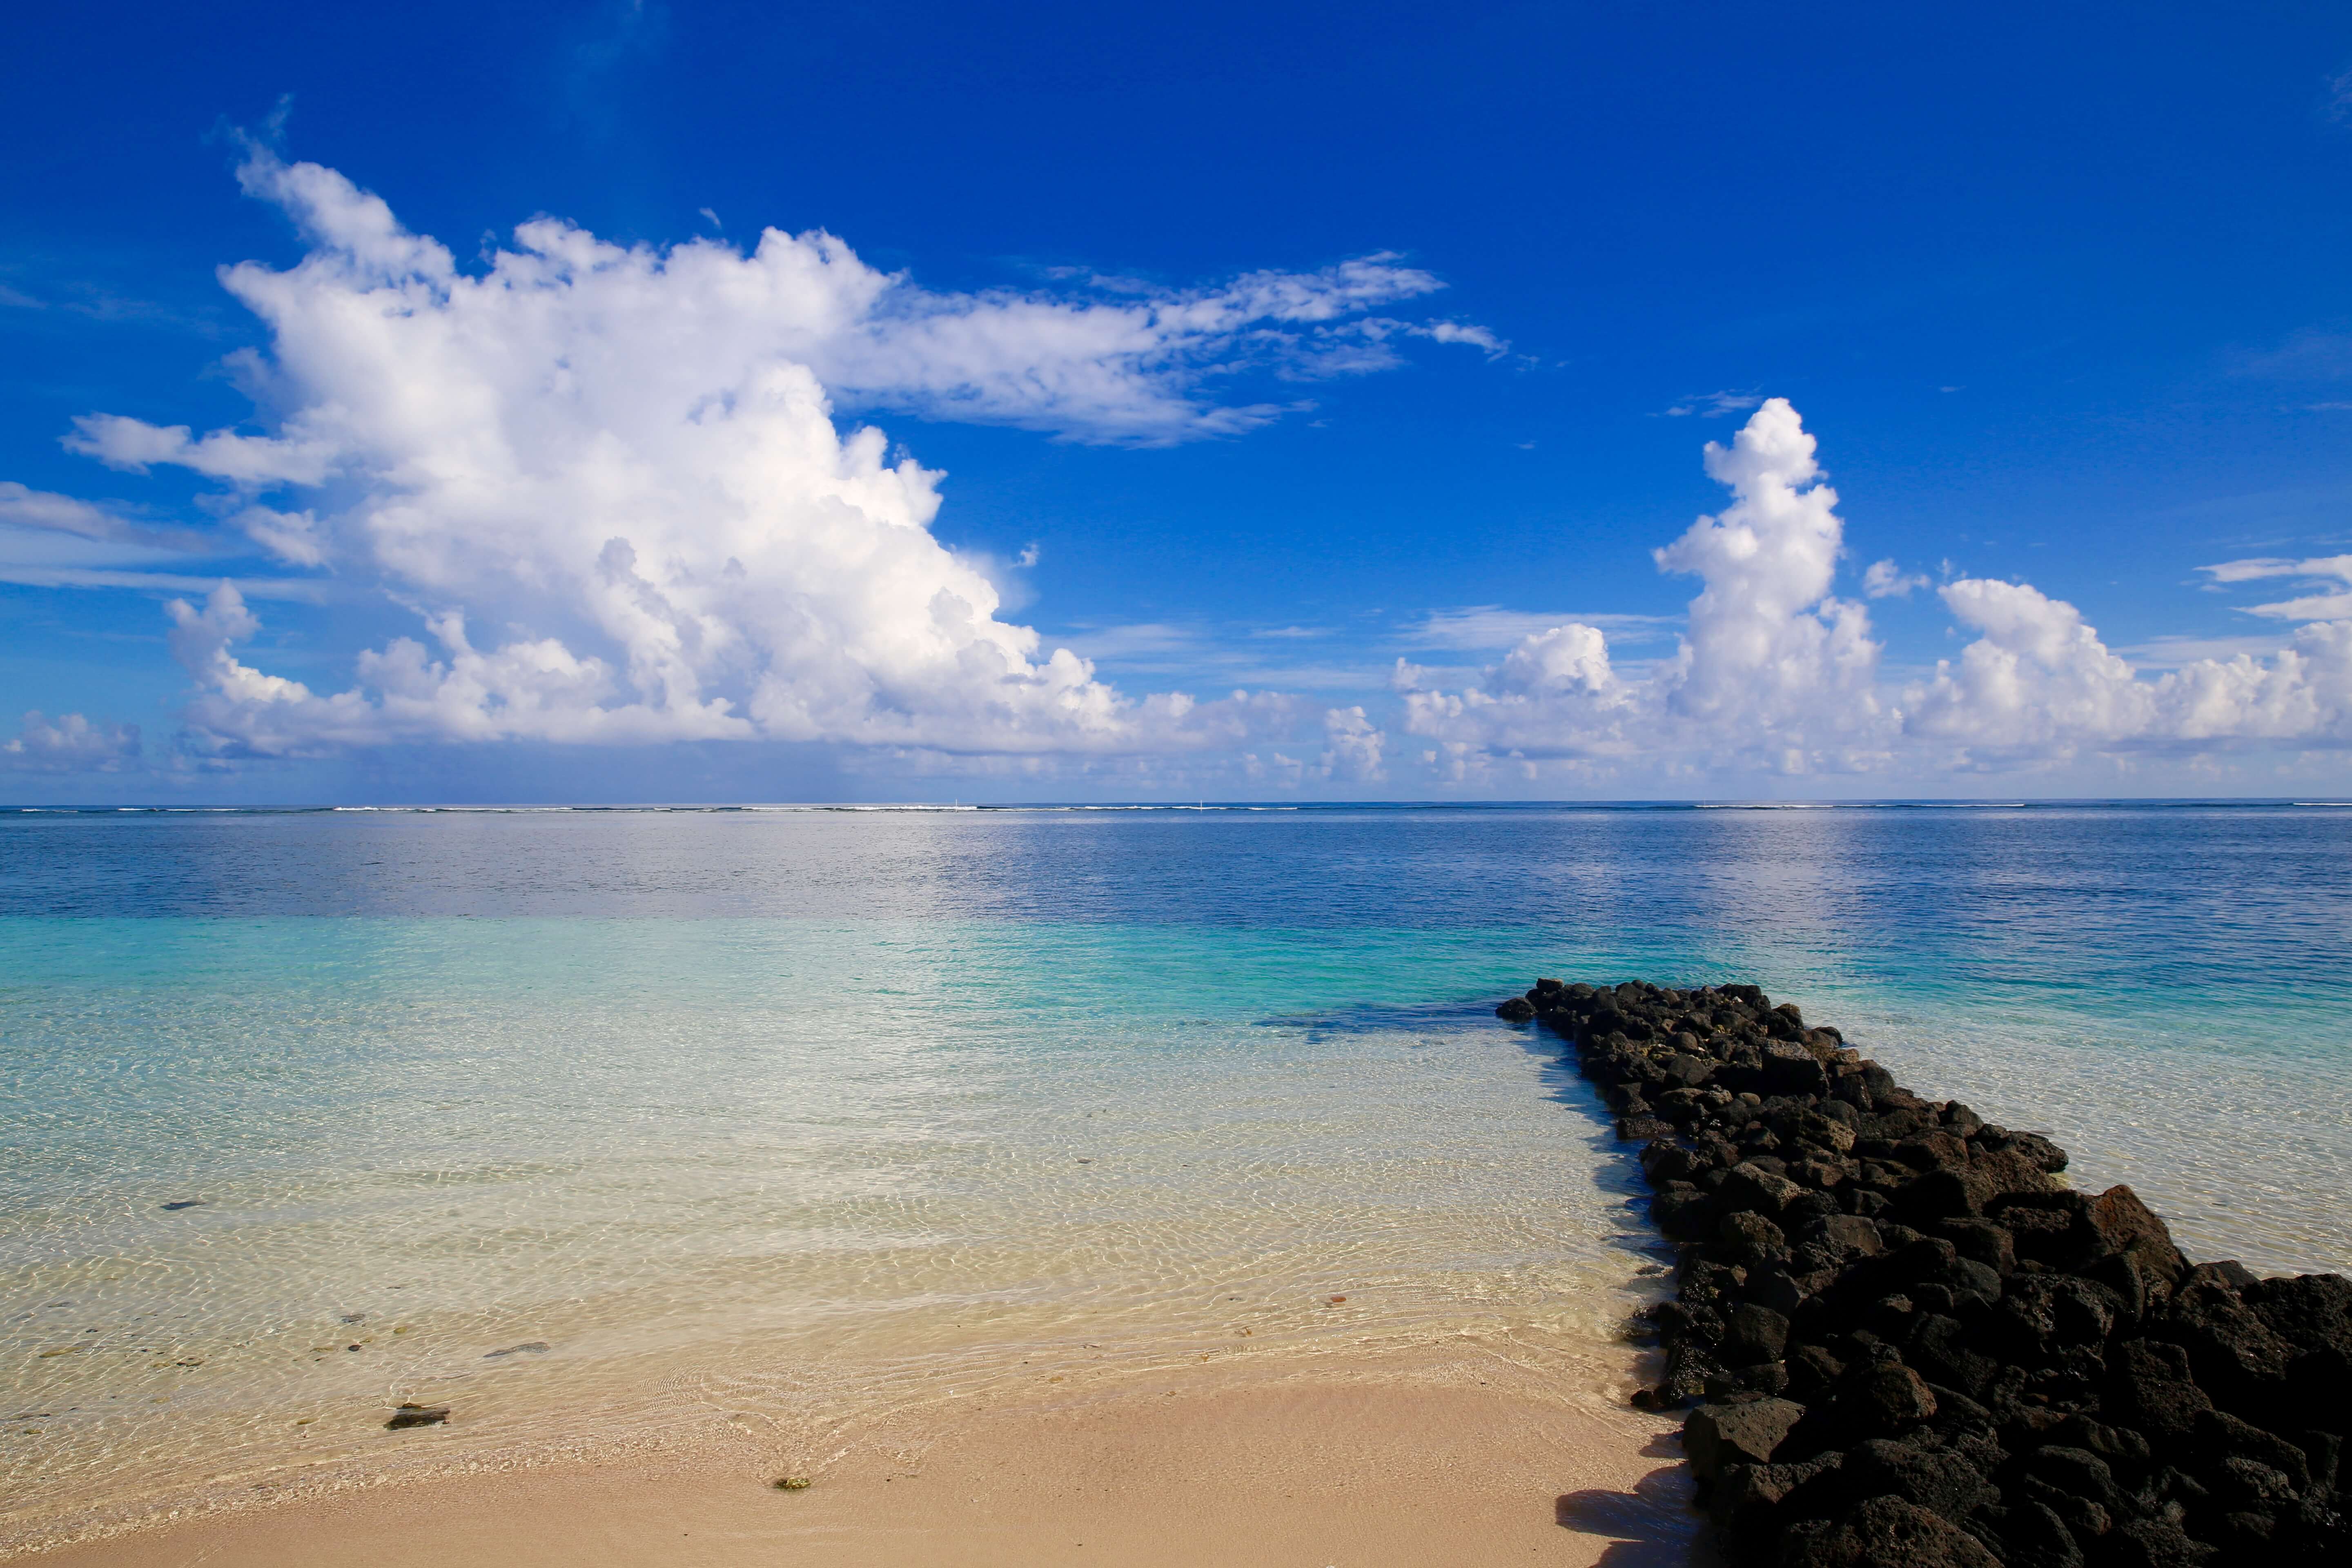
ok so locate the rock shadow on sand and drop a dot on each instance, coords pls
(1653, 1526)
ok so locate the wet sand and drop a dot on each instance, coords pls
(1317, 1471)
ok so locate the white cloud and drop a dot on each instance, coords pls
(1477, 627)
(1778, 675)
(1352, 746)
(1766, 638)
(1352, 752)
(23, 508)
(71, 745)
(610, 483)
(33, 575)
(1715, 404)
(1884, 580)
(45, 512)
(2039, 683)
(1477, 337)
(249, 460)
(2171, 650)
(1377, 330)
(2322, 606)
(50, 540)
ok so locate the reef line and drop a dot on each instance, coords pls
(1905, 1343)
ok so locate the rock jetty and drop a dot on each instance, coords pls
(1902, 1340)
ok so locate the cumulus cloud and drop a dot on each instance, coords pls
(1884, 580)
(72, 744)
(1776, 674)
(2039, 682)
(1352, 752)
(1352, 746)
(610, 483)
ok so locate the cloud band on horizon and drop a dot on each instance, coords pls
(610, 483)
(1779, 676)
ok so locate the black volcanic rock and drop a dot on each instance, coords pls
(1917, 1348)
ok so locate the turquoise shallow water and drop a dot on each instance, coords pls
(794, 1119)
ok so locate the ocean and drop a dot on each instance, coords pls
(784, 1125)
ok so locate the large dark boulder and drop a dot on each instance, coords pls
(1751, 1187)
(1745, 1239)
(1942, 1479)
(1939, 1195)
(1939, 1347)
(2129, 1227)
(2157, 1544)
(1745, 1499)
(1981, 1241)
(2311, 1310)
(2034, 1536)
(1883, 1397)
(2313, 1313)
(2218, 1436)
(2062, 1479)
(1664, 1160)
(1933, 1150)
(1791, 1069)
(2237, 1357)
(2138, 1291)
(1888, 1532)
(1716, 1436)
(1844, 1236)
(1754, 1332)
(2149, 1388)
(2125, 1450)
(1687, 1214)
(2051, 1228)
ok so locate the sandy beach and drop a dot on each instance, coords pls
(1413, 1468)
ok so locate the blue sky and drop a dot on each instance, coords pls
(1259, 349)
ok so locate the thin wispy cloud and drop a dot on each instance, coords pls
(2315, 353)
(31, 575)
(1479, 629)
(1713, 406)
(1205, 655)
(2332, 573)
(2173, 652)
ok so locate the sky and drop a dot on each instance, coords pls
(621, 401)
